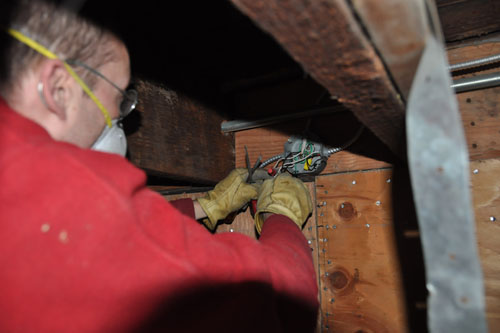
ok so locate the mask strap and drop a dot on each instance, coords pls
(47, 53)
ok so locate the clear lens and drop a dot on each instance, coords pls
(129, 102)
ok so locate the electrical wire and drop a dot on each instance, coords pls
(331, 151)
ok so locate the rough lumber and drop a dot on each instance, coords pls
(486, 196)
(461, 19)
(360, 275)
(178, 137)
(327, 40)
(397, 29)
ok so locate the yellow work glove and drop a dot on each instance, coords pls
(229, 195)
(283, 195)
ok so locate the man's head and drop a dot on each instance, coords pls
(43, 90)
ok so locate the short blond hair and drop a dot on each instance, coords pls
(59, 30)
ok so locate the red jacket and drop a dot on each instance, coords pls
(85, 246)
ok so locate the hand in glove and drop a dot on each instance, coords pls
(283, 195)
(229, 195)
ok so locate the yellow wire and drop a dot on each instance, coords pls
(47, 53)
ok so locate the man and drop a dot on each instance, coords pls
(85, 246)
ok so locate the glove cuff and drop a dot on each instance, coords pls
(212, 219)
(276, 209)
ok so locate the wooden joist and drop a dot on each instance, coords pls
(178, 138)
(398, 30)
(329, 41)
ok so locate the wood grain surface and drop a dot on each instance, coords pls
(177, 137)
(326, 38)
(485, 179)
(360, 277)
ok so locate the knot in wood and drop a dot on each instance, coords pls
(346, 211)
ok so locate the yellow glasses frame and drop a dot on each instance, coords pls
(49, 54)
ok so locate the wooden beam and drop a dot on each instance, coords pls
(325, 37)
(461, 19)
(398, 30)
(178, 138)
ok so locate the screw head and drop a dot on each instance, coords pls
(367, 225)
(476, 171)
(388, 180)
(353, 182)
(378, 203)
(493, 219)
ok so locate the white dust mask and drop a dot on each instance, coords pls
(112, 140)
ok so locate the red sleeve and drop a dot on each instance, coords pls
(86, 247)
(278, 267)
(185, 206)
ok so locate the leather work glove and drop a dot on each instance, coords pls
(283, 195)
(229, 195)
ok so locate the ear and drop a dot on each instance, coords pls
(57, 86)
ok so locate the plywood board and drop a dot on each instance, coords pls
(485, 177)
(481, 119)
(360, 277)
(479, 108)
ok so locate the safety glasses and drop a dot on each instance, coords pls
(129, 100)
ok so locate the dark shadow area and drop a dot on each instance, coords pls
(409, 249)
(477, 69)
(205, 49)
(244, 307)
(6, 8)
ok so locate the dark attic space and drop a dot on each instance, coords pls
(214, 55)
(382, 116)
